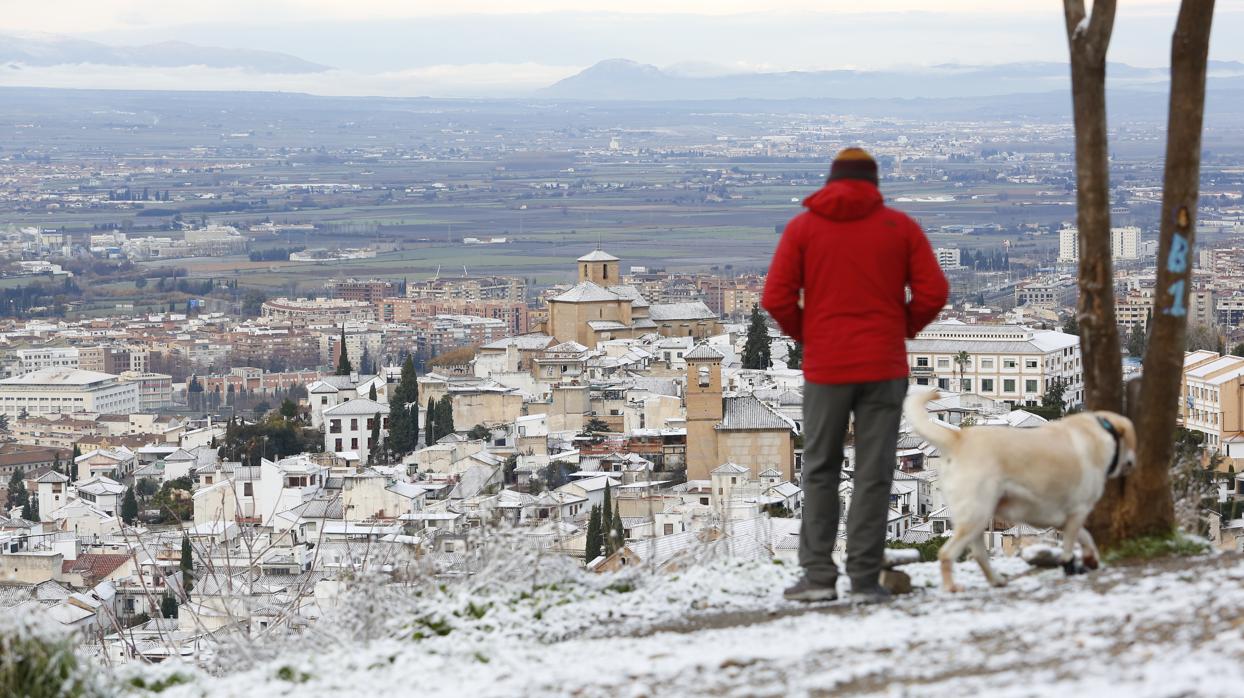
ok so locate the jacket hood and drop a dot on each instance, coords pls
(845, 200)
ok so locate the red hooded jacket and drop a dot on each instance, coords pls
(854, 259)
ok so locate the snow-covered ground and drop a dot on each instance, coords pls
(1168, 628)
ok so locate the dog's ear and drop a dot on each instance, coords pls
(1127, 430)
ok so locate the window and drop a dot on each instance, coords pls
(922, 362)
(986, 385)
(334, 426)
(965, 385)
(1030, 386)
(248, 489)
(704, 501)
(943, 363)
(986, 364)
(669, 529)
(943, 383)
(338, 447)
(323, 399)
(1008, 385)
(354, 424)
(1030, 363)
(354, 444)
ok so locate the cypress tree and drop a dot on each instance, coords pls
(404, 411)
(429, 423)
(73, 466)
(343, 359)
(371, 394)
(794, 355)
(591, 549)
(187, 565)
(606, 519)
(445, 417)
(17, 489)
(168, 606)
(373, 446)
(129, 507)
(618, 534)
(756, 349)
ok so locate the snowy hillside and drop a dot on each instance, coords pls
(1165, 628)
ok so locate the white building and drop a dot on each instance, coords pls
(1069, 245)
(348, 426)
(57, 390)
(1124, 243)
(1004, 362)
(948, 258)
(155, 390)
(49, 357)
(329, 391)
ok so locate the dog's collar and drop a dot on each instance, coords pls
(1114, 434)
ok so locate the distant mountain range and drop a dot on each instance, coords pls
(628, 80)
(56, 51)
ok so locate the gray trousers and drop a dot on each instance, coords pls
(826, 413)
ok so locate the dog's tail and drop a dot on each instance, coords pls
(917, 413)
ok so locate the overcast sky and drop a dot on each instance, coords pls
(483, 46)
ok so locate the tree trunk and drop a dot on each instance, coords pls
(1147, 508)
(1088, 38)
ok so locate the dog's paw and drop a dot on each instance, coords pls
(1074, 567)
(953, 589)
(1091, 563)
(998, 582)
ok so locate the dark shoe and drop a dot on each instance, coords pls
(870, 593)
(808, 591)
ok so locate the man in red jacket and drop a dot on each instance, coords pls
(853, 260)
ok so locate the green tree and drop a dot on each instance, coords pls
(1071, 325)
(756, 349)
(365, 367)
(961, 364)
(1136, 340)
(1238, 350)
(479, 432)
(371, 392)
(146, 487)
(373, 443)
(17, 490)
(606, 519)
(187, 565)
(343, 359)
(794, 355)
(444, 417)
(591, 549)
(429, 423)
(73, 464)
(404, 411)
(289, 408)
(30, 510)
(593, 427)
(617, 536)
(1053, 399)
(129, 507)
(168, 606)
